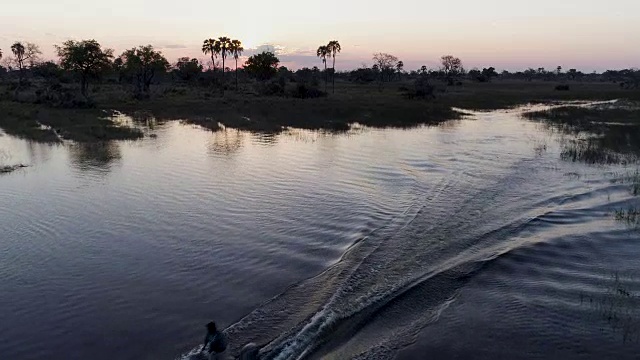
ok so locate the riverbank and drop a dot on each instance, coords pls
(365, 104)
(604, 133)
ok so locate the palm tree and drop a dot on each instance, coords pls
(334, 48)
(236, 50)
(323, 52)
(224, 45)
(209, 46)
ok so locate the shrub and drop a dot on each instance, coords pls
(302, 91)
(57, 96)
(422, 89)
(270, 88)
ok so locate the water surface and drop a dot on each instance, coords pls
(470, 239)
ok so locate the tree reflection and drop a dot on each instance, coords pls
(267, 139)
(95, 156)
(226, 142)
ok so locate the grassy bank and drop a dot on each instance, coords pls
(508, 94)
(608, 133)
(366, 104)
(41, 123)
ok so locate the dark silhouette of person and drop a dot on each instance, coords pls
(216, 340)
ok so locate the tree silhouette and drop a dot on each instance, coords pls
(210, 46)
(117, 66)
(236, 50)
(86, 58)
(143, 63)
(323, 52)
(334, 48)
(23, 53)
(386, 63)
(187, 69)
(451, 67)
(263, 66)
(400, 68)
(223, 48)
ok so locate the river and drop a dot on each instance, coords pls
(472, 239)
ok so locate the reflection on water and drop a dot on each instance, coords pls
(267, 139)
(226, 142)
(100, 156)
(447, 238)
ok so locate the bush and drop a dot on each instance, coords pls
(302, 91)
(422, 89)
(270, 88)
(57, 96)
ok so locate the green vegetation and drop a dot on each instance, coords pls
(142, 64)
(631, 216)
(608, 133)
(252, 111)
(45, 124)
(46, 101)
(86, 58)
(618, 306)
(632, 178)
(263, 66)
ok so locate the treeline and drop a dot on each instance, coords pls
(86, 62)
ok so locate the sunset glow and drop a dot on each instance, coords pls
(590, 35)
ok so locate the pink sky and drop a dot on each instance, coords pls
(587, 34)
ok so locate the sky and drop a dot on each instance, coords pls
(513, 35)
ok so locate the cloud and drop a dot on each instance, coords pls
(172, 46)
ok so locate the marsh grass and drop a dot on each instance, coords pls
(631, 216)
(248, 109)
(606, 134)
(40, 123)
(632, 178)
(590, 152)
(272, 114)
(618, 305)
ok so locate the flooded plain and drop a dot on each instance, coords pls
(477, 238)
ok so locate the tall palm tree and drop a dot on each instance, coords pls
(334, 48)
(209, 46)
(323, 52)
(236, 50)
(224, 44)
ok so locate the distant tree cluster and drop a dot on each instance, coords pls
(332, 49)
(86, 62)
(223, 47)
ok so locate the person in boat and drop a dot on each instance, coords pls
(216, 341)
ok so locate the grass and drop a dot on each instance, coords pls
(11, 168)
(631, 216)
(632, 178)
(618, 306)
(609, 133)
(508, 94)
(365, 104)
(40, 123)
